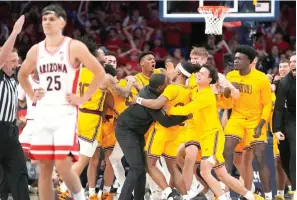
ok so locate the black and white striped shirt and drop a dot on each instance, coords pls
(8, 98)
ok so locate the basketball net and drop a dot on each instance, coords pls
(214, 18)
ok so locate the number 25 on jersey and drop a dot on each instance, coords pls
(54, 83)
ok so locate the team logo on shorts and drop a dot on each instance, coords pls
(61, 55)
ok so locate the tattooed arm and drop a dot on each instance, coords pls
(124, 92)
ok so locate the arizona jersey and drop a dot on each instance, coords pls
(56, 74)
(22, 96)
(96, 102)
(255, 95)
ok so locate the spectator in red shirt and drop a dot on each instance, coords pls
(113, 43)
(280, 43)
(159, 51)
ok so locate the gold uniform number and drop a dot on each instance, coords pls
(82, 89)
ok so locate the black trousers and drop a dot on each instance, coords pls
(132, 145)
(12, 161)
(287, 149)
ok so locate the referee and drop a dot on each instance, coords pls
(131, 127)
(12, 161)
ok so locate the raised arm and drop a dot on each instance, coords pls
(8, 45)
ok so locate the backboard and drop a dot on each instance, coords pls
(186, 10)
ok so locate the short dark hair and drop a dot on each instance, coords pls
(196, 68)
(90, 43)
(109, 69)
(143, 54)
(249, 51)
(213, 73)
(157, 80)
(55, 9)
(110, 53)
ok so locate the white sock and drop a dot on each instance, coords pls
(195, 181)
(106, 188)
(290, 187)
(249, 196)
(253, 189)
(268, 195)
(92, 191)
(63, 187)
(222, 185)
(186, 197)
(80, 195)
(228, 195)
(222, 197)
(209, 195)
(281, 193)
(167, 192)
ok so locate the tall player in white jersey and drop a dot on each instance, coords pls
(26, 135)
(54, 141)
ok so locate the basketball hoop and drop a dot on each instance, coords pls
(214, 18)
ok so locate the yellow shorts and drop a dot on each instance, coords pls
(89, 133)
(275, 147)
(191, 137)
(244, 129)
(108, 139)
(89, 126)
(149, 132)
(213, 145)
(242, 145)
(166, 144)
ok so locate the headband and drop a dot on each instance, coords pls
(52, 12)
(183, 71)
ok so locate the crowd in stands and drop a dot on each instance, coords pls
(129, 28)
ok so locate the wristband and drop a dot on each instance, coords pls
(139, 100)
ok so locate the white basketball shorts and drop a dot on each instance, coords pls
(54, 136)
(26, 135)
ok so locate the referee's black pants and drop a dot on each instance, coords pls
(132, 145)
(13, 161)
(287, 150)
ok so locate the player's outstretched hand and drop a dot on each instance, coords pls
(74, 99)
(17, 28)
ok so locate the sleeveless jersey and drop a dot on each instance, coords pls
(97, 100)
(22, 96)
(56, 74)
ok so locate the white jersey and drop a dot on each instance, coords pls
(56, 74)
(22, 96)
